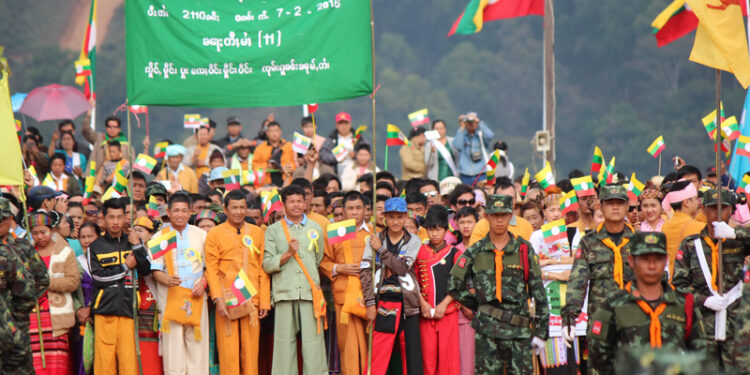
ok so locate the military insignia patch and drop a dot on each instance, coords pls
(651, 239)
(747, 277)
(579, 253)
(462, 262)
(679, 255)
(596, 328)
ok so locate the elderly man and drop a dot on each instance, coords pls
(176, 172)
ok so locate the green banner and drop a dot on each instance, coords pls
(246, 53)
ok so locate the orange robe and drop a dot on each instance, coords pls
(352, 338)
(522, 229)
(236, 340)
(676, 229)
(262, 156)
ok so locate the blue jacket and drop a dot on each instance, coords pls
(466, 144)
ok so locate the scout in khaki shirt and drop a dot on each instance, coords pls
(232, 246)
(293, 251)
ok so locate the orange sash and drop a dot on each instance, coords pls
(499, 274)
(354, 302)
(714, 262)
(655, 327)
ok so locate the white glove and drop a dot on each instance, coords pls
(568, 334)
(723, 230)
(716, 303)
(538, 345)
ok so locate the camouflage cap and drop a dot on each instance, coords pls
(710, 197)
(499, 204)
(642, 243)
(5, 208)
(156, 188)
(613, 191)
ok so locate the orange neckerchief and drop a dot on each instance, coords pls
(714, 261)
(617, 250)
(499, 274)
(655, 327)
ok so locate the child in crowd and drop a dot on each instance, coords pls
(438, 324)
(466, 219)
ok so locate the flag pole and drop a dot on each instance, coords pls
(717, 148)
(134, 274)
(371, 327)
(659, 173)
(386, 156)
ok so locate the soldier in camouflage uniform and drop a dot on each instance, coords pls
(689, 275)
(36, 280)
(601, 263)
(648, 312)
(503, 322)
(742, 329)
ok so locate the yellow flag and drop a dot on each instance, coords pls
(720, 40)
(10, 148)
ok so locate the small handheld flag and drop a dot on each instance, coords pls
(339, 152)
(270, 202)
(607, 175)
(635, 188)
(144, 163)
(394, 137)
(569, 202)
(341, 231)
(358, 133)
(656, 147)
(554, 231)
(300, 144)
(419, 117)
(730, 128)
(584, 186)
(152, 210)
(162, 244)
(545, 178)
(491, 165)
(160, 149)
(709, 122)
(242, 289)
(743, 145)
(525, 182)
(192, 121)
(597, 161)
(231, 179)
(743, 187)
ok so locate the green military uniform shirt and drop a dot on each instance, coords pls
(593, 270)
(621, 324)
(477, 265)
(35, 271)
(288, 282)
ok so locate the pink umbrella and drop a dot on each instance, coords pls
(54, 102)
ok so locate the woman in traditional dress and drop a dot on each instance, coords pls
(87, 234)
(56, 315)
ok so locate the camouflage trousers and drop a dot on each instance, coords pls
(720, 355)
(496, 356)
(18, 360)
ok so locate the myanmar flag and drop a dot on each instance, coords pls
(420, 117)
(152, 210)
(86, 63)
(569, 202)
(144, 163)
(597, 161)
(192, 121)
(674, 22)
(709, 122)
(270, 201)
(394, 137)
(231, 179)
(479, 11)
(635, 188)
(743, 184)
(162, 244)
(743, 145)
(657, 146)
(545, 178)
(525, 182)
(242, 288)
(607, 175)
(554, 231)
(584, 186)
(341, 231)
(160, 149)
(358, 133)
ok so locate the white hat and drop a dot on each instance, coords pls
(449, 184)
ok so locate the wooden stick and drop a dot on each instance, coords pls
(717, 145)
(134, 274)
(374, 173)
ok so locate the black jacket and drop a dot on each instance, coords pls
(326, 150)
(113, 285)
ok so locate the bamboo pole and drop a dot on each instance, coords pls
(374, 173)
(134, 273)
(717, 148)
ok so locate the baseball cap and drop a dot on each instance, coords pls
(156, 188)
(613, 191)
(233, 120)
(448, 184)
(216, 173)
(416, 131)
(343, 116)
(5, 210)
(642, 243)
(499, 204)
(395, 205)
(41, 192)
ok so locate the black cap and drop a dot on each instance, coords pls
(233, 120)
(40, 193)
(416, 131)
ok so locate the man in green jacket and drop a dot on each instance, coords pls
(293, 251)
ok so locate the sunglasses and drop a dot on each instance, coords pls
(428, 194)
(112, 126)
(464, 202)
(92, 212)
(632, 208)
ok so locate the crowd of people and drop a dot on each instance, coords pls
(289, 266)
